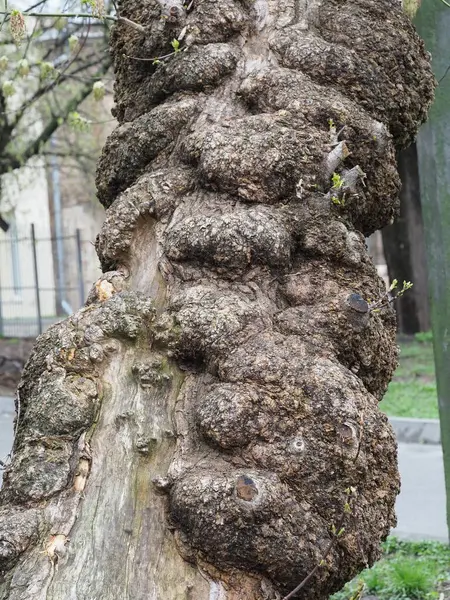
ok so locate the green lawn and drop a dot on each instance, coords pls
(412, 392)
(407, 571)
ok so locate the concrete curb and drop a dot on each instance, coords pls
(416, 431)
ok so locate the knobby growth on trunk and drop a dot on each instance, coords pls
(208, 425)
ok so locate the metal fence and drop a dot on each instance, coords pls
(41, 281)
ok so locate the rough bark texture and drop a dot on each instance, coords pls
(204, 424)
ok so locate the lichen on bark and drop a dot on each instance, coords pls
(229, 347)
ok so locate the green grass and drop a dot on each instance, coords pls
(412, 391)
(407, 571)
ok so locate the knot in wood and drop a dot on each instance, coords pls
(347, 433)
(174, 13)
(246, 488)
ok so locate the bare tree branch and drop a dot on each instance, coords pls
(10, 161)
(75, 15)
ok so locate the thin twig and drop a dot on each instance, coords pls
(444, 75)
(75, 15)
(311, 574)
(155, 58)
(27, 10)
(137, 26)
(149, 59)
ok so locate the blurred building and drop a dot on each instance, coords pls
(47, 255)
(25, 202)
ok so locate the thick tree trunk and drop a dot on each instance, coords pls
(404, 248)
(208, 426)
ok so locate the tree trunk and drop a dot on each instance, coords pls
(208, 425)
(433, 146)
(404, 248)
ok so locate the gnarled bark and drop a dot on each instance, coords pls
(208, 426)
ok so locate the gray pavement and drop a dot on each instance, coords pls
(6, 427)
(420, 506)
(416, 431)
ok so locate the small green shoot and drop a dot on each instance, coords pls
(337, 181)
(175, 45)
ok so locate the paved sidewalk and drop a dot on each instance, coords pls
(420, 506)
(6, 426)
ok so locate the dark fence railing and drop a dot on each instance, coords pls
(41, 281)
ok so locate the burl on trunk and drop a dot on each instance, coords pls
(207, 427)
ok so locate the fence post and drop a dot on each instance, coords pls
(36, 278)
(80, 268)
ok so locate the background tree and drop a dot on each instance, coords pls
(433, 22)
(208, 425)
(404, 240)
(48, 66)
(404, 248)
